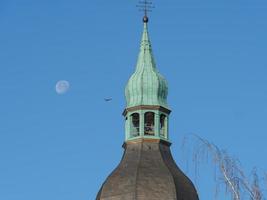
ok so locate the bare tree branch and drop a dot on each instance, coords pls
(230, 173)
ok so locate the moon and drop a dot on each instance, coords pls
(62, 86)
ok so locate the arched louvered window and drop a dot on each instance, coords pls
(163, 125)
(149, 126)
(135, 125)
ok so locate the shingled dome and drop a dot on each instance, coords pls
(147, 172)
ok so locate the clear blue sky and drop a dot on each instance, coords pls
(62, 147)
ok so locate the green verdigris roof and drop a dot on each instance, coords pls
(146, 86)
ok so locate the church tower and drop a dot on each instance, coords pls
(147, 170)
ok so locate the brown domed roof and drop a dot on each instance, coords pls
(147, 171)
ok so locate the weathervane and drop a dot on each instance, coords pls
(145, 6)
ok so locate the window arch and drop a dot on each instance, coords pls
(163, 125)
(149, 123)
(135, 125)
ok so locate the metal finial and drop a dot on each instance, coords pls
(145, 6)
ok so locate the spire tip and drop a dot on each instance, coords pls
(145, 6)
(145, 19)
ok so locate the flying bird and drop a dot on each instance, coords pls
(108, 99)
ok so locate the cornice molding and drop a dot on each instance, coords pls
(146, 107)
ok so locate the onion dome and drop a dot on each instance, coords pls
(146, 86)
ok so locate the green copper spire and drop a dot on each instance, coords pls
(146, 92)
(146, 86)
